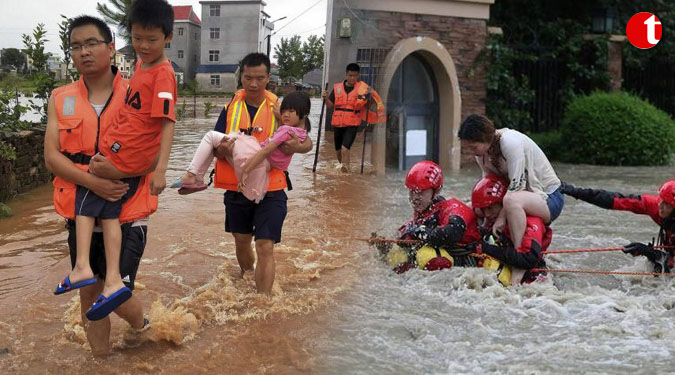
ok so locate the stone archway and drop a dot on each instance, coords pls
(449, 98)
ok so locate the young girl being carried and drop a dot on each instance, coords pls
(251, 160)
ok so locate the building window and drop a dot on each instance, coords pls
(214, 55)
(194, 58)
(180, 31)
(366, 56)
(214, 11)
(214, 32)
(215, 80)
(180, 54)
(196, 36)
(167, 45)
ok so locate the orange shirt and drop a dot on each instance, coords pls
(132, 144)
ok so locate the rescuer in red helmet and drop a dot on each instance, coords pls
(443, 226)
(486, 200)
(661, 208)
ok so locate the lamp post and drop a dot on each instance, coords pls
(269, 37)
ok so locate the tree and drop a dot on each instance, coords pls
(10, 109)
(35, 47)
(289, 58)
(65, 43)
(42, 80)
(13, 57)
(117, 15)
(192, 88)
(312, 53)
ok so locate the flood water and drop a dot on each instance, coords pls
(335, 308)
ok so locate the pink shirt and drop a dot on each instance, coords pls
(277, 158)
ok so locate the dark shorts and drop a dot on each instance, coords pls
(133, 244)
(344, 136)
(264, 220)
(555, 203)
(89, 204)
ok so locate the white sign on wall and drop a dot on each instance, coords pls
(416, 143)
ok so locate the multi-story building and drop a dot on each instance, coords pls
(231, 29)
(125, 60)
(184, 50)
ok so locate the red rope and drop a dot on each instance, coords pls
(385, 240)
(595, 250)
(603, 272)
(412, 242)
(581, 250)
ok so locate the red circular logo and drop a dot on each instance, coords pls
(644, 30)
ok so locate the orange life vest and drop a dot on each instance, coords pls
(79, 127)
(375, 112)
(347, 106)
(264, 124)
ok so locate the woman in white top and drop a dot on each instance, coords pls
(534, 188)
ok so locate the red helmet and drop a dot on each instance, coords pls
(489, 190)
(667, 192)
(424, 175)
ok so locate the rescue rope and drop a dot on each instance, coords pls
(596, 250)
(602, 272)
(385, 240)
(397, 241)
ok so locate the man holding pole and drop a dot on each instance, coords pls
(348, 98)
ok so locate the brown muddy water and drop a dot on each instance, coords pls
(335, 308)
(204, 317)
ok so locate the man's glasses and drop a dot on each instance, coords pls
(89, 44)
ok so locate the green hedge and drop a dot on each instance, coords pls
(550, 143)
(615, 129)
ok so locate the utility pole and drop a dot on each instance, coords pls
(269, 37)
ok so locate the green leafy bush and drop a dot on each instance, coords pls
(5, 211)
(207, 108)
(7, 151)
(550, 143)
(508, 94)
(616, 129)
(180, 111)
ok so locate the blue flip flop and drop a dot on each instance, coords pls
(184, 189)
(66, 286)
(105, 305)
(177, 183)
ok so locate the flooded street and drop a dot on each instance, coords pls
(463, 322)
(335, 308)
(204, 316)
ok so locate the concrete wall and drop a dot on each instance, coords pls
(228, 82)
(239, 25)
(189, 45)
(28, 170)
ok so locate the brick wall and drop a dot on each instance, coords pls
(28, 170)
(463, 38)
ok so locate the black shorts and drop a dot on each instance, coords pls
(134, 239)
(89, 204)
(264, 220)
(344, 136)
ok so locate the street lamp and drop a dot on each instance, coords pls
(269, 37)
